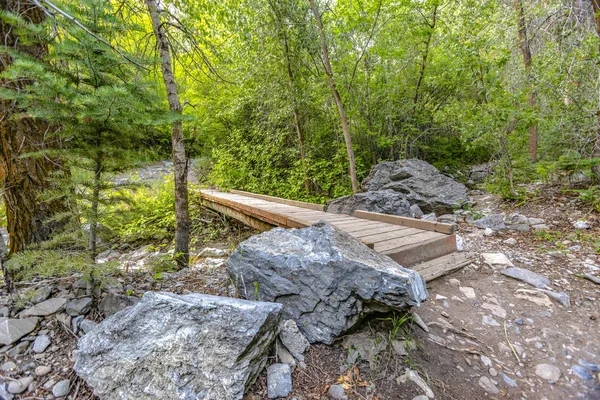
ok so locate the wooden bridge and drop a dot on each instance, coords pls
(425, 246)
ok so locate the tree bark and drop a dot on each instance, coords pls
(26, 179)
(596, 149)
(527, 60)
(180, 164)
(296, 111)
(424, 58)
(336, 96)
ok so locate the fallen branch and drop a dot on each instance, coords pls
(510, 344)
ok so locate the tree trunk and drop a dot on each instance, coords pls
(424, 58)
(94, 209)
(526, 52)
(180, 164)
(93, 219)
(336, 96)
(296, 111)
(25, 179)
(596, 149)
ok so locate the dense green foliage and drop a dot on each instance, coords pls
(439, 80)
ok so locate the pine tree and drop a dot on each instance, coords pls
(100, 100)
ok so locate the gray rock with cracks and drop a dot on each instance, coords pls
(171, 346)
(527, 276)
(421, 182)
(326, 279)
(293, 339)
(279, 381)
(381, 201)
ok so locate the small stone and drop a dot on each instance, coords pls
(511, 241)
(41, 343)
(561, 297)
(87, 325)
(429, 217)
(493, 372)
(48, 384)
(399, 347)
(41, 294)
(213, 252)
(113, 303)
(293, 339)
(460, 243)
(519, 321)
(64, 319)
(541, 227)
(589, 365)
(495, 309)
(421, 397)
(9, 366)
(487, 385)
(582, 372)
(284, 356)
(437, 339)
(4, 395)
(279, 381)
(410, 375)
(336, 392)
(454, 282)
(527, 276)
(488, 320)
(80, 284)
(488, 232)
(469, 292)
(534, 297)
(20, 385)
(18, 349)
(12, 330)
(48, 307)
(42, 370)
(496, 261)
(509, 381)
(420, 323)
(486, 361)
(61, 389)
(548, 372)
(581, 225)
(79, 307)
(416, 211)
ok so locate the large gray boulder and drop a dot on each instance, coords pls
(171, 346)
(421, 182)
(326, 279)
(381, 201)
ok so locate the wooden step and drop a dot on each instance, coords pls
(444, 265)
(419, 249)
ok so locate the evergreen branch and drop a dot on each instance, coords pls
(86, 30)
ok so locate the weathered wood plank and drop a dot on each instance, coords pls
(444, 265)
(353, 226)
(378, 230)
(240, 216)
(426, 250)
(410, 222)
(406, 240)
(318, 207)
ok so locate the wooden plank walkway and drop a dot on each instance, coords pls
(427, 247)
